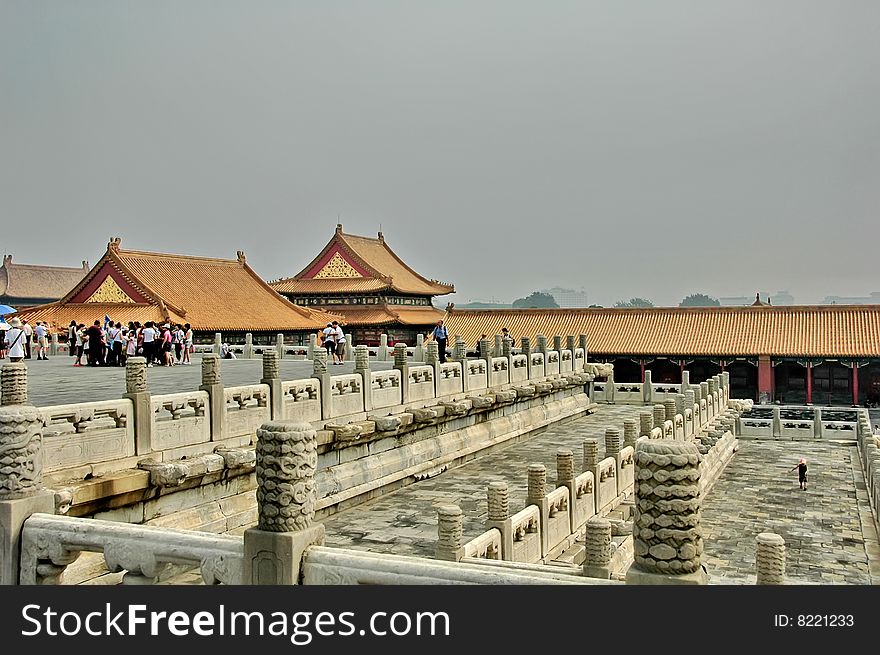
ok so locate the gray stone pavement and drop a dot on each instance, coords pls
(57, 382)
(405, 521)
(828, 535)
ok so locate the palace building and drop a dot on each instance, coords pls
(365, 281)
(791, 354)
(26, 285)
(212, 295)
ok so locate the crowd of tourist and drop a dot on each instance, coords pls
(112, 343)
(107, 344)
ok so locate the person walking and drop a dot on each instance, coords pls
(330, 341)
(41, 333)
(149, 340)
(802, 473)
(187, 343)
(440, 335)
(16, 338)
(28, 338)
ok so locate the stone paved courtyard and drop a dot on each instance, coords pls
(57, 382)
(828, 539)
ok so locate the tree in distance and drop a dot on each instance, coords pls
(699, 300)
(536, 300)
(634, 302)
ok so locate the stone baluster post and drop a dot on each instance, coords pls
(525, 348)
(725, 379)
(432, 359)
(218, 341)
(770, 559)
(272, 378)
(313, 344)
(279, 345)
(212, 383)
(319, 371)
(680, 404)
(565, 475)
(459, 354)
(817, 422)
(612, 449)
(597, 548)
(382, 354)
(21, 467)
(419, 354)
(646, 423)
(506, 348)
(570, 346)
(486, 353)
(610, 389)
(287, 458)
(704, 394)
(630, 432)
(557, 344)
(53, 344)
(142, 411)
(498, 498)
(450, 528)
(496, 348)
(401, 363)
(362, 368)
(689, 400)
(659, 416)
(591, 464)
(699, 416)
(648, 389)
(669, 409)
(685, 380)
(537, 495)
(248, 351)
(582, 343)
(777, 422)
(541, 346)
(667, 536)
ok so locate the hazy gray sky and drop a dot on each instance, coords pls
(632, 148)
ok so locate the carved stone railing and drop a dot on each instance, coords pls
(537, 365)
(346, 395)
(341, 566)
(519, 371)
(566, 362)
(607, 487)
(421, 383)
(579, 360)
(477, 375)
(559, 517)
(51, 543)
(385, 388)
(626, 471)
(247, 408)
(583, 504)
(301, 399)
(449, 381)
(551, 366)
(525, 527)
(180, 419)
(485, 546)
(87, 433)
(499, 375)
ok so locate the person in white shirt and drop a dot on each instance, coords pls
(42, 341)
(330, 341)
(149, 335)
(28, 337)
(15, 340)
(340, 343)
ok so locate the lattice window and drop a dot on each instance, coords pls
(337, 267)
(110, 292)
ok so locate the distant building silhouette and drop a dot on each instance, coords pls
(779, 298)
(873, 299)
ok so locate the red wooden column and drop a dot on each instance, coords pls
(642, 364)
(809, 383)
(855, 384)
(765, 378)
(681, 366)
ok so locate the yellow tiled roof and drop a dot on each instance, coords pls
(390, 314)
(210, 294)
(386, 269)
(798, 331)
(31, 281)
